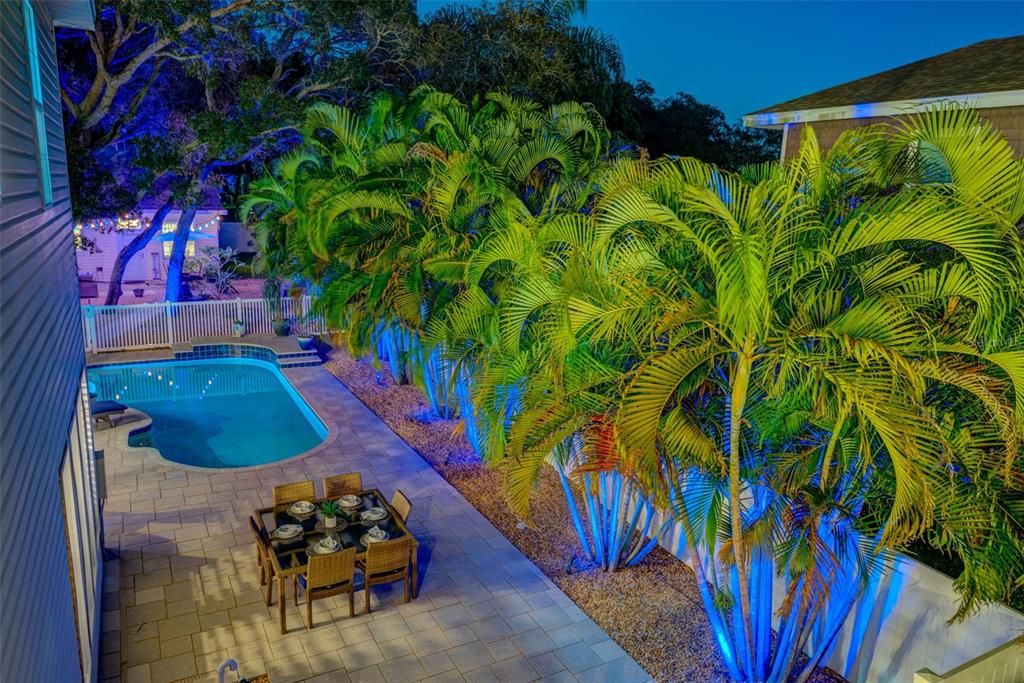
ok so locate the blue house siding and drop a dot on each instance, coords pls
(41, 365)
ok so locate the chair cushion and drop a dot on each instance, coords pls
(102, 407)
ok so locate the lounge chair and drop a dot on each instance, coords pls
(106, 410)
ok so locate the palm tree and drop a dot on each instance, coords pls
(795, 341)
(805, 365)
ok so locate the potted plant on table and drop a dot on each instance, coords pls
(330, 510)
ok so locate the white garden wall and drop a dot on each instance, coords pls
(899, 626)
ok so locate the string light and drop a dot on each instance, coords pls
(208, 224)
(129, 223)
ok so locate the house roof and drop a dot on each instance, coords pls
(986, 67)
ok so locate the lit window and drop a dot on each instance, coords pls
(42, 152)
(190, 248)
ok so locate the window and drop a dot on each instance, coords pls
(42, 151)
(190, 248)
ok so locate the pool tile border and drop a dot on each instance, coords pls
(288, 359)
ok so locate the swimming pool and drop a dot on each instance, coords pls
(224, 412)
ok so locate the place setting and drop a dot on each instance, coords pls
(373, 515)
(374, 535)
(350, 503)
(325, 546)
(287, 532)
(301, 509)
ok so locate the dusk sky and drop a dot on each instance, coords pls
(744, 56)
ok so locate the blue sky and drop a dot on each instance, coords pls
(742, 56)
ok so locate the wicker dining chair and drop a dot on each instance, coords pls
(401, 504)
(289, 493)
(328, 575)
(268, 563)
(343, 485)
(261, 550)
(386, 562)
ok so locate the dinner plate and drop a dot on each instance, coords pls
(350, 501)
(374, 514)
(319, 549)
(288, 531)
(301, 507)
(366, 539)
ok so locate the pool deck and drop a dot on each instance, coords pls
(190, 596)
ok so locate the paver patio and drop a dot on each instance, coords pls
(191, 596)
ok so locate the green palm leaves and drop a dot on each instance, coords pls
(810, 364)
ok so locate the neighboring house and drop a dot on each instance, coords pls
(51, 573)
(988, 75)
(146, 272)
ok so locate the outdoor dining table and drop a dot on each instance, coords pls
(289, 555)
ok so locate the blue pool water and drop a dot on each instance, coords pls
(225, 412)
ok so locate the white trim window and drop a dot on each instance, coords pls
(38, 110)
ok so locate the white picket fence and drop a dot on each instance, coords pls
(148, 326)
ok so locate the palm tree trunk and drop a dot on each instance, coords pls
(740, 384)
(130, 250)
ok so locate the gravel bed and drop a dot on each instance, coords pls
(652, 611)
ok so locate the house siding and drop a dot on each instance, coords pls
(1010, 120)
(42, 416)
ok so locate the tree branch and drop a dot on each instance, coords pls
(69, 103)
(133, 108)
(115, 83)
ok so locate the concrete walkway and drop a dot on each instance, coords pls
(190, 595)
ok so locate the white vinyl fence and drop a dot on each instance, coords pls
(148, 326)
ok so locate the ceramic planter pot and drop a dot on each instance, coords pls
(282, 327)
(305, 342)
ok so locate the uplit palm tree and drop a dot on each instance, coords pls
(802, 336)
(806, 365)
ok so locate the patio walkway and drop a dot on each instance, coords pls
(191, 590)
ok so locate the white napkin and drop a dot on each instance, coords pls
(377, 533)
(373, 513)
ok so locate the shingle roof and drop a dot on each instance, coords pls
(989, 66)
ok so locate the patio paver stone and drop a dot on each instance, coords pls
(190, 591)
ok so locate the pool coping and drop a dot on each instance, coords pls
(214, 348)
(146, 422)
